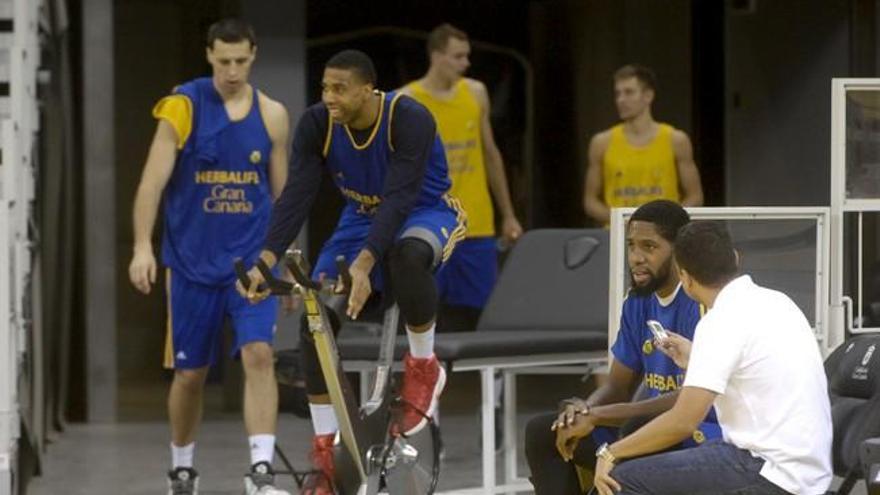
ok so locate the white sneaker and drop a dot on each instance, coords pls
(261, 481)
(183, 481)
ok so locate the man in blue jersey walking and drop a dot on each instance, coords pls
(398, 225)
(219, 156)
(557, 442)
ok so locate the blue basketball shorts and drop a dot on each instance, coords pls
(196, 314)
(469, 275)
(442, 226)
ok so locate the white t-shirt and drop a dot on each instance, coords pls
(757, 351)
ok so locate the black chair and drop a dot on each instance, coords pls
(853, 371)
(549, 308)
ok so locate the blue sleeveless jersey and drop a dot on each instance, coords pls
(218, 200)
(635, 348)
(358, 169)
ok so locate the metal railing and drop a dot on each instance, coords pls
(19, 125)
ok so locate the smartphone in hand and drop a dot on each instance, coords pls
(657, 329)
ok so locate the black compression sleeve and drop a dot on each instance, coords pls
(303, 180)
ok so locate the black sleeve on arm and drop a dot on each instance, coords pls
(412, 133)
(303, 180)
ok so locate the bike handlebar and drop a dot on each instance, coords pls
(275, 285)
(299, 268)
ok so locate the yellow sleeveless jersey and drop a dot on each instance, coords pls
(635, 175)
(458, 122)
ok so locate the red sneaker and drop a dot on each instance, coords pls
(423, 382)
(321, 482)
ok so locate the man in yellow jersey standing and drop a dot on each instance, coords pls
(639, 159)
(460, 105)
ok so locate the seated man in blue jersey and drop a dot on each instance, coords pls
(397, 226)
(754, 358)
(557, 442)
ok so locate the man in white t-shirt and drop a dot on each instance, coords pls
(754, 356)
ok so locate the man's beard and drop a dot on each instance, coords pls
(654, 283)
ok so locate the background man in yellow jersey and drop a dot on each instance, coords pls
(460, 106)
(640, 159)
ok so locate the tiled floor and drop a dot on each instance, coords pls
(131, 457)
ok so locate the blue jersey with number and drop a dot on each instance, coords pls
(634, 346)
(359, 168)
(218, 200)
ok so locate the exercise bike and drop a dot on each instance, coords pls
(367, 456)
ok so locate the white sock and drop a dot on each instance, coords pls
(421, 345)
(182, 456)
(262, 448)
(323, 419)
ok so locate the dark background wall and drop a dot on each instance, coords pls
(780, 61)
(576, 47)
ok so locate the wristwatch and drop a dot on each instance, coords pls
(603, 452)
